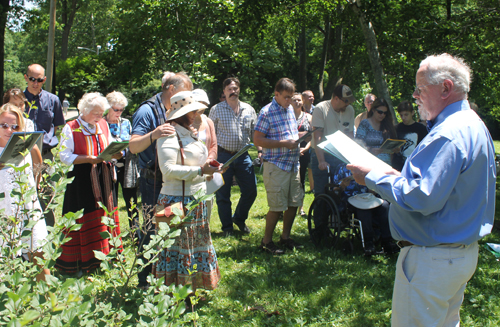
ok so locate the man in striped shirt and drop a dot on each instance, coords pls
(277, 133)
(234, 123)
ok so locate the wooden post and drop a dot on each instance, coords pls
(50, 52)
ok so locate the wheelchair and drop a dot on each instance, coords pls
(331, 221)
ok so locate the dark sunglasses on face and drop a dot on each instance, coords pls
(13, 127)
(39, 80)
(380, 112)
(117, 110)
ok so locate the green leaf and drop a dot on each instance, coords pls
(100, 256)
(29, 316)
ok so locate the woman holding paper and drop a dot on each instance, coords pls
(377, 128)
(184, 165)
(126, 165)
(304, 125)
(83, 139)
(11, 120)
(16, 97)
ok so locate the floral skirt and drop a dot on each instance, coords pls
(192, 258)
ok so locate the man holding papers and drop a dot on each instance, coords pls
(442, 202)
(277, 133)
(234, 121)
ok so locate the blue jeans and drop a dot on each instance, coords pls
(244, 172)
(149, 196)
(320, 180)
(321, 176)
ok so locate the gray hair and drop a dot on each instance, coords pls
(166, 75)
(91, 100)
(117, 98)
(445, 66)
(179, 80)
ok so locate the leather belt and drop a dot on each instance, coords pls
(221, 149)
(402, 244)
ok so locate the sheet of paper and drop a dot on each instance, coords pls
(341, 146)
(215, 183)
(17, 144)
(113, 148)
(239, 153)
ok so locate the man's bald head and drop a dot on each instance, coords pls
(35, 68)
(35, 77)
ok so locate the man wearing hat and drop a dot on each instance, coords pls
(148, 125)
(442, 201)
(330, 116)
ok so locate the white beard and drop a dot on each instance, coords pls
(424, 114)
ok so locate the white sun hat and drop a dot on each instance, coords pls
(182, 103)
(365, 201)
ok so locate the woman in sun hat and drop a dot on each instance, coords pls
(181, 181)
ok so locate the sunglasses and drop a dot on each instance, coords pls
(380, 112)
(345, 101)
(39, 80)
(118, 110)
(14, 127)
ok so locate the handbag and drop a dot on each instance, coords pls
(166, 213)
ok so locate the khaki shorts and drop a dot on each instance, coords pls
(283, 188)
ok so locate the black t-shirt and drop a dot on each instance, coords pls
(413, 134)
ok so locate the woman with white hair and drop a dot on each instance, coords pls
(83, 139)
(126, 166)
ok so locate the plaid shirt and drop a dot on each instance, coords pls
(278, 123)
(233, 131)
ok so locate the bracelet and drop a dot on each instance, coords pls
(201, 171)
(151, 137)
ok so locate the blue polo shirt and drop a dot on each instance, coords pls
(47, 115)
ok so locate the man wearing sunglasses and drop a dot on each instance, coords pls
(442, 201)
(45, 110)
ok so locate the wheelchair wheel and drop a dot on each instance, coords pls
(323, 222)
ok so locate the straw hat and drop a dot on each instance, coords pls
(182, 103)
(365, 201)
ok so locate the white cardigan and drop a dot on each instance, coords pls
(169, 160)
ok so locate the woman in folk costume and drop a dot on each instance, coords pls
(184, 163)
(83, 139)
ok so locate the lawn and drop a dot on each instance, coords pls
(312, 287)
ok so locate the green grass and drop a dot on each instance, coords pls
(312, 287)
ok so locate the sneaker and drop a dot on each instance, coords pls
(302, 213)
(271, 248)
(290, 244)
(243, 227)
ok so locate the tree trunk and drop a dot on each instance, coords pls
(374, 56)
(302, 47)
(4, 10)
(324, 57)
(68, 17)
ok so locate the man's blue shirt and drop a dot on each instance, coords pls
(143, 122)
(278, 123)
(446, 191)
(48, 112)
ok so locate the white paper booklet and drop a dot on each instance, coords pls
(215, 183)
(341, 146)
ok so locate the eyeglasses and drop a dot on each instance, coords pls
(14, 127)
(346, 101)
(418, 88)
(39, 80)
(117, 110)
(380, 112)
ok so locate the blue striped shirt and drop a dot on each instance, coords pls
(278, 123)
(446, 191)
